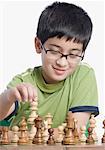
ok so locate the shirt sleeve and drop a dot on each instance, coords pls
(85, 94)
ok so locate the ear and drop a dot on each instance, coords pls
(38, 45)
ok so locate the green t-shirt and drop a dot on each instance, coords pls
(77, 93)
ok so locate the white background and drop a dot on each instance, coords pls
(18, 23)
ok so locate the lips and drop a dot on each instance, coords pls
(59, 71)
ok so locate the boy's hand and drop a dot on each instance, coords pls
(23, 92)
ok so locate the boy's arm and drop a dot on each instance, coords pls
(7, 105)
(81, 117)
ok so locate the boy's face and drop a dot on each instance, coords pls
(55, 66)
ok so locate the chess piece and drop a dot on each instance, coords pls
(103, 138)
(49, 117)
(23, 129)
(32, 116)
(90, 139)
(38, 136)
(75, 132)
(92, 122)
(45, 134)
(15, 137)
(33, 109)
(5, 137)
(0, 134)
(51, 140)
(82, 134)
(60, 133)
(68, 137)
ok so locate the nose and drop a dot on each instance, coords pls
(62, 62)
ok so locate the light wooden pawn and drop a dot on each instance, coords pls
(15, 138)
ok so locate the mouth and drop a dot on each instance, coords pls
(59, 71)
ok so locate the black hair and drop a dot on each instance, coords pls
(64, 19)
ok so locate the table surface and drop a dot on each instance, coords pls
(54, 147)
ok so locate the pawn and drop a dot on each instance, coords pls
(90, 139)
(93, 126)
(103, 138)
(82, 134)
(5, 137)
(60, 133)
(15, 137)
(51, 140)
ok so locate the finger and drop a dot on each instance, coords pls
(23, 92)
(17, 94)
(13, 92)
(30, 92)
(35, 94)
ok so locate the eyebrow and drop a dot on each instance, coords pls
(74, 49)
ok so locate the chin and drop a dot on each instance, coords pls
(58, 79)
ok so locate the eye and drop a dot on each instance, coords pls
(53, 52)
(72, 56)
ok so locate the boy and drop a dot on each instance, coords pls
(62, 84)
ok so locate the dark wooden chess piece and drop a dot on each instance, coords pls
(90, 139)
(5, 137)
(51, 140)
(103, 138)
(38, 136)
(0, 134)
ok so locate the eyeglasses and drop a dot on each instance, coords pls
(72, 58)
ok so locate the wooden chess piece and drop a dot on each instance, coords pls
(82, 134)
(0, 134)
(103, 138)
(75, 132)
(51, 140)
(60, 133)
(5, 137)
(68, 137)
(49, 117)
(15, 137)
(23, 129)
(92, 122)
(32, 116)
(90, 139)
(38, 136)
(45, 134)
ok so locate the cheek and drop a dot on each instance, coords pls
(45, 61)
(72, 68)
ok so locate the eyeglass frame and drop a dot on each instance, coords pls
(63, 55)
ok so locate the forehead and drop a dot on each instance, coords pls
(64, 43)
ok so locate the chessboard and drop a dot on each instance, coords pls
(57, 146)
(36, 133)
